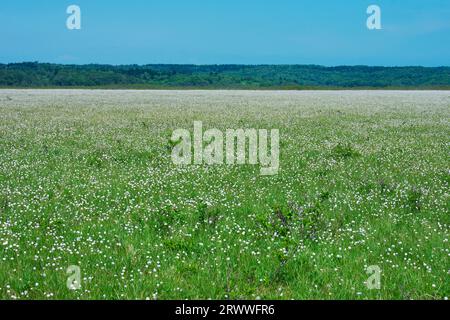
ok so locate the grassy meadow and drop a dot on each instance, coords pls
(86, 179)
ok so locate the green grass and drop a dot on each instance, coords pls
(86, 179)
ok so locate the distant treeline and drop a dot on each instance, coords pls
(34, 74)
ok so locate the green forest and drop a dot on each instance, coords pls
(38, 75)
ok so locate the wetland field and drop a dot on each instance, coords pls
(358, 209)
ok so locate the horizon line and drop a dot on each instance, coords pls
(228, 64)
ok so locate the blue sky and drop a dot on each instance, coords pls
(326, 32)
